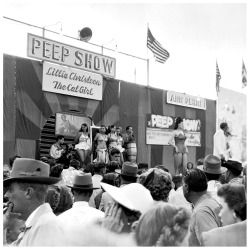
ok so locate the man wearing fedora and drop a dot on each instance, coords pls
(213, 170)
(234, 169)
(128, 173)
(26, 191)
(81, 214)
(205, 208)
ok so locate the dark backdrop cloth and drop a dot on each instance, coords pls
(27, 108)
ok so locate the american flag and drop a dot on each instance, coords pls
(218, 77)
(244, 75)
(160, 54)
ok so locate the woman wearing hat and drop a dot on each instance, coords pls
(83, 144)
(178, 141)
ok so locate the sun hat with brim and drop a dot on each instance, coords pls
(212, 165)
(82, 181)
(30, 170)
(133, 196)
(128, 169)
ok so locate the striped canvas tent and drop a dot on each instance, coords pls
(27, 109)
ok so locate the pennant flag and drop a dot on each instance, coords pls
(160, 54)
(244, 75)
(218, 77)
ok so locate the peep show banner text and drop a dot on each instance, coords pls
(70, 81)
(159, 130)
(63, 54)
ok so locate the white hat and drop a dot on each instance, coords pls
(133, 196)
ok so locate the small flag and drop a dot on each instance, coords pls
(218, 77)
(160, 54)
(244, 75)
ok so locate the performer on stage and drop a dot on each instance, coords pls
(220, 147)
(112, 138)
(120, 141)
(130, 145)
(83, 144)
(178, 141)
(56, 149)
(101, 149)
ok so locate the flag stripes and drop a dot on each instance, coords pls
(218, 77)
(244, 75)
(160, 54)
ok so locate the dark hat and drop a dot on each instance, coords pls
(30, 170)
(128, 169)
(233, 164)
(83, 181)
(212, 165)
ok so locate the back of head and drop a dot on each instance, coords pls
(56, 170)
(235, 197)
(89, 168)
(196, 180)
(99, 167)
(177, 180)
(163, 225)
(223, 125)
(59, 137)
(110, 178)
(158, 182)
(75, 164)
(65, 202)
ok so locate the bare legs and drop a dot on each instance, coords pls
(180, 163)
(82, 154)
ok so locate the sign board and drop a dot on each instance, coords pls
(48, 50)
(185, 100)
(67, 124)
(68, 81)
(159, 130)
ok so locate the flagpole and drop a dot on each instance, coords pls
(217, 99)
(147, 61)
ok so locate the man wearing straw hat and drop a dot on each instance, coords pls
(81, 213)
(26, 190)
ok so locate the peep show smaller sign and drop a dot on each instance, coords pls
(159, 130)
(70, 81)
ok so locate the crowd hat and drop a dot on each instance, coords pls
(233, 164)
(212, 165)
(83, 181)
(133, 196)
(30, 170)
(128, 169)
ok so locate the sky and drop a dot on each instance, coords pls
(194, 34)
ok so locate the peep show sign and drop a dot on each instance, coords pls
(52, 51)
(160, 128)
(69, 81)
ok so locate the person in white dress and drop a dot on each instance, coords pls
(83, 144)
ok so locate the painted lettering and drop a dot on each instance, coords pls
(36, 44)
(46, 49)
(79, 56)
(107, 65)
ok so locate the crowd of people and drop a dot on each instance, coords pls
(116, 201)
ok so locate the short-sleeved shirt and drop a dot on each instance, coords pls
(205, 217)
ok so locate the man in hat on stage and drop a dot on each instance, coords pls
(213, 170)
(234, 169)
(26, 191)
(81, 214)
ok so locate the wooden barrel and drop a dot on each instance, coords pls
(132, 151)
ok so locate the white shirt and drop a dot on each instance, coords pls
(55, 152)
(42, 229)
(79, 216)
(177, 198)
(219, 144)
(96, 179)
